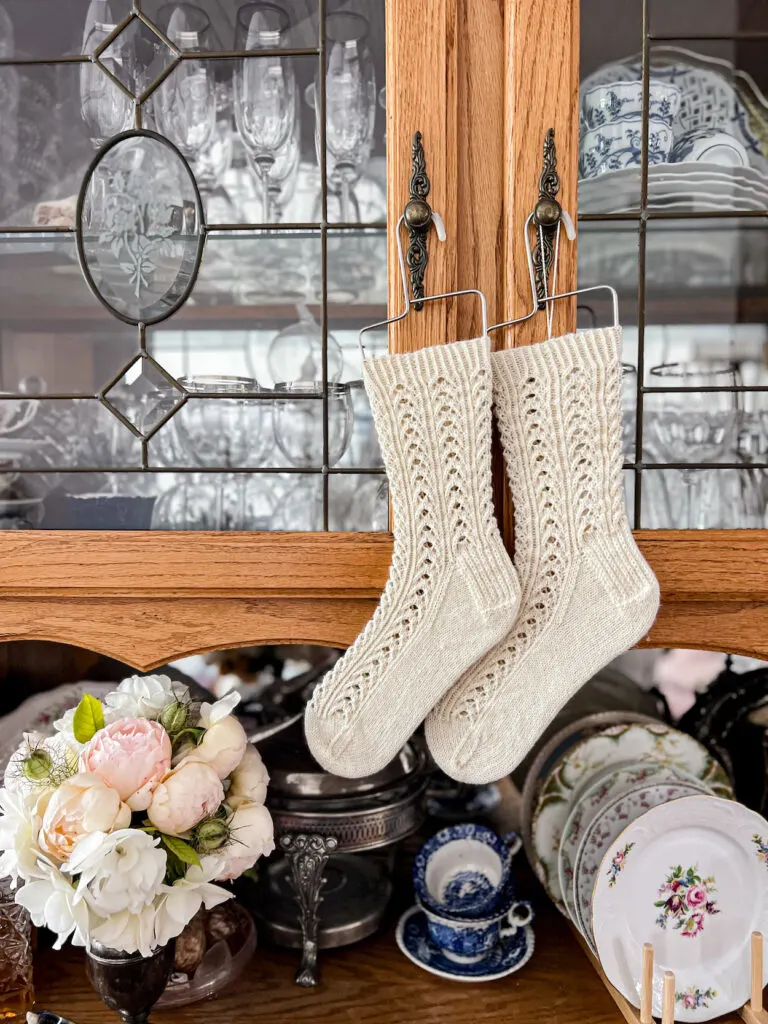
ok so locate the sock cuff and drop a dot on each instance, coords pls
(587, 349)
(415, 368)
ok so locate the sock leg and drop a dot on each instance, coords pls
(452, 591)
(587, 592)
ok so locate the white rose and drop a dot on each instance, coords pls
(119, 871)
(182, 900)
(249, 780)
(212, 713)
(252, 836)
(130, 933)
(19, 829)
(222, 746)
(145, 696)
(39, 763)
(51, 902)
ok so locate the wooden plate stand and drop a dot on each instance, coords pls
(751, 1012)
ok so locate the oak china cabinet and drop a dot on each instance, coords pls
(197, 215)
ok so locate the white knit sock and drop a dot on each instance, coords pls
(587, 592)
(452, 591)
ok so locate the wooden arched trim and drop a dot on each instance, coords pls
(146, 599)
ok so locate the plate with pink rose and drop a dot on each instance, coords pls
(691, 878)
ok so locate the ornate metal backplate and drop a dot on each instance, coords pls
(547, 213)
(418, 218)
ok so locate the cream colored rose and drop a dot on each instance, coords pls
(223, 746)
(189, 793)
(81, 805)
(249, 780)
(252, 836)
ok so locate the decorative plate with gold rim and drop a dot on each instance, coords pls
(690, 877)
(614, 745)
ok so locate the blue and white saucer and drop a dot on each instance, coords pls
(509, 956)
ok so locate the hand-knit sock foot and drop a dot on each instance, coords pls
(452, 591)
(587, 593)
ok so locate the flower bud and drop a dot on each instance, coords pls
(173, 717)
(38, 766)
(211, 834)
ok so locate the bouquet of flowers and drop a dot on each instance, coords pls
(120, 824)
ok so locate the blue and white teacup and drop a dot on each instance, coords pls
(621, 101)
(464, 870)
(469, 939)
(615, 146)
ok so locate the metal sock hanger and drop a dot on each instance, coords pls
(438, 222)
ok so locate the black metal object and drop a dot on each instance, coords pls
(418, 219)
(129, 983)
(546, 215)
(307, 856)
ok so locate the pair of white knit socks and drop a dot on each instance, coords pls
(488, 653)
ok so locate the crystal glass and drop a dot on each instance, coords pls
(214, 502)
(105, 109)
(296, 352)
(222, 432)
(16, 990)
(350, 102)
(694, 426)
(265, 88)
(298, 422)
(186, 101)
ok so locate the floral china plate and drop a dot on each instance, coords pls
(690, 877)
(606, 826)
(607, 786)
(508, 956)
(614, 745)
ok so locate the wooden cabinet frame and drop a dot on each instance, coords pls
(482, 80)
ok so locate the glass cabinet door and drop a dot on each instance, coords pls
(192, 232)
(672, 204)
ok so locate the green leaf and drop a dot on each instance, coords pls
(89, 718)
(180, 849)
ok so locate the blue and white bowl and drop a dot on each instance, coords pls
(615, 146)
(464, 870)
(622, 101)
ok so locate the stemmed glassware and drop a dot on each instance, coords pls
(350, 103)
(185, 104)
(265, 90)
(694, 426)
(298, 422)
(105, 108)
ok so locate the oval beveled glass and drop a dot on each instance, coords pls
(140, 227)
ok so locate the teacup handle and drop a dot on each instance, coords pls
(513, 843)
(519, 915)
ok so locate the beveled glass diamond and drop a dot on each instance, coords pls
(137, 57)
(145, 395)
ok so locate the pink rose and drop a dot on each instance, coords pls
(689, 1001)
(132, 755)
(81, 805)
(696, 896)
(191, 792)
(619, 858)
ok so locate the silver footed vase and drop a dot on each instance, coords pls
(129, 983)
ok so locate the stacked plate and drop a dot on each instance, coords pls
(632, 829)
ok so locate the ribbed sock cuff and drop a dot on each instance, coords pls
(416, 368)
(556, 356)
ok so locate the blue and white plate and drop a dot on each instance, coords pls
(509, 956)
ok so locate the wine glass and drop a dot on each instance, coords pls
(296, 352)
(298, 422)
(186, 101)
(350, 103)
(694, 426)
(265, 89)
(104, 107)
(226, 433)
(277, 183)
